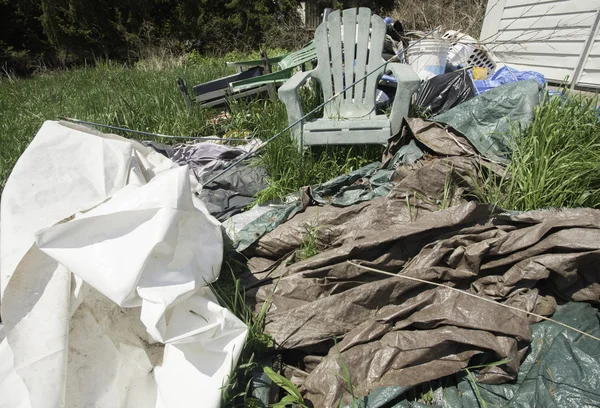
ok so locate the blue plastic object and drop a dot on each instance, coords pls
(388, 20)
(506, 75)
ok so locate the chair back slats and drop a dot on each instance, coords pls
(375, 58)
(348, 47)
(349, 20)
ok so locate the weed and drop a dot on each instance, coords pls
(230, 294)
(473, 381)
(427, 397)
(555, 161)
(446, 201)
(309, 246)
(293, 397)
(480, 400)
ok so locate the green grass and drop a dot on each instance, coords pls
(109, 93)
(555, 161)
(145, 97)
(230, 293)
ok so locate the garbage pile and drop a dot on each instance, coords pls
(331, 318)
(109, 247)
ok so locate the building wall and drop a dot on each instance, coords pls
(558, 38)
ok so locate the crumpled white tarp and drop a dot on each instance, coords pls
(105, 257)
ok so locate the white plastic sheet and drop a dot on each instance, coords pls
(105, 257)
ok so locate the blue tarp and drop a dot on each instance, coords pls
(505, 75)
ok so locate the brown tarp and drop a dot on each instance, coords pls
(399, 332)
(329, 317)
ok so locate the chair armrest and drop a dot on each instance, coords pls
(289, 90)
(288, 93)
(408, 83)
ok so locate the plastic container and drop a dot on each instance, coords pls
(428, 57)
(465, 50)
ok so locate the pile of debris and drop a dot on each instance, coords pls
(109, 247)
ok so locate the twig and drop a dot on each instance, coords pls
(475, 296)
(140, 132)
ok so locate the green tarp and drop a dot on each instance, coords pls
(487, 119)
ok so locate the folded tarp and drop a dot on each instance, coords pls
(364, 184)
(396, 332)
(488, 120)
(561, 370)
(506, 75)
(105, 259)
(400, 159)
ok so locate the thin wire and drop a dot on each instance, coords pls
(263, 144)
(140, 132)
(475, 296)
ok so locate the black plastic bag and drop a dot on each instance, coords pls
(444, 92)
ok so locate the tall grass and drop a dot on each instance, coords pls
(145, 97)
(110, 93)
(555, 160)
(230, 293)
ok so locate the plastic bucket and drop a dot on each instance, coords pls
(428, 57)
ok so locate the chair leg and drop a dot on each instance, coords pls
(296, 133)
(267, 70)
(186, 96)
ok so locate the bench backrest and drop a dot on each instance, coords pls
(297, 58)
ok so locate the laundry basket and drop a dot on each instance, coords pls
(465, 50)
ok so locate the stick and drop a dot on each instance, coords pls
(263, 144)
(140, 132)
(475, 296)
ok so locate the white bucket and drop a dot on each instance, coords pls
(428, 57)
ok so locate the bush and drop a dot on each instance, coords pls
(66, 32)
(464, 15)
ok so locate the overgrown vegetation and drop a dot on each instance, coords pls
(54, 33)
(37, 34)
(309, 246)
(107, 93)
(259, 345)
(555, 161)
(465, 15)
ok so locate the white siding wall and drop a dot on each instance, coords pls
(558, 38)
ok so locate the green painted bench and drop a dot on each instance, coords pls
(285, 64)
(349, 45)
